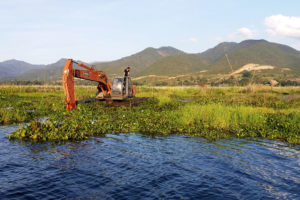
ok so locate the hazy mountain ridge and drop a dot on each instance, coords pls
(13, 68)
(168, 61)
(137, 62)
(50, 72)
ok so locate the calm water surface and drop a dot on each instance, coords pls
(129, 166)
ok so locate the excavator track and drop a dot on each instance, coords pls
(110, 102)
(128, 102)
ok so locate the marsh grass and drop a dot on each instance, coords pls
(215, 113)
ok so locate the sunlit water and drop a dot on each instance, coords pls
(129, 166)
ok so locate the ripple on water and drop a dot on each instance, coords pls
(132, 166)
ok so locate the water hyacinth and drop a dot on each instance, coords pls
(213, 114)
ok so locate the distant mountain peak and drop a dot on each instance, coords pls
(62, 60)
(10, 61)
(11, 68)
(149, 48)
(225, 43)
(168, 51)
(252, 41)
(167, 48)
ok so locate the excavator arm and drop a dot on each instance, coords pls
(89, 74)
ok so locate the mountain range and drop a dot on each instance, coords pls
(13, 68)
(225, 58)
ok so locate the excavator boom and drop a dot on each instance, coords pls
(89, 74)
(68, 83)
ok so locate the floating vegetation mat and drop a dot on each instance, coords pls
(214, 113)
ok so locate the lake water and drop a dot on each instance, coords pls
(133, 166)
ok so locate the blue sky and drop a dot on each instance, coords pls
(43, 31)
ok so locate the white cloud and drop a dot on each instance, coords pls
(279, 25)
(242, 33)
(246, 33)
(193, 40)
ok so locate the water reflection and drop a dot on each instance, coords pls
(135, 166)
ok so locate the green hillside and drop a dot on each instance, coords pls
(239, 54)
(258, 52)
(138, 62)
(176, 65)
(214, 54)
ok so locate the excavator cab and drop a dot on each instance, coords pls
(122, 88)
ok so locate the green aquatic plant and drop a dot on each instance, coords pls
(214, 113)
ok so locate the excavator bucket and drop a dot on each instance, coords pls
(68, 82)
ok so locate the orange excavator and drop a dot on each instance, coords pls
(121, 89)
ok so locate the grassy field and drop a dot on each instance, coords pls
(214, 113)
